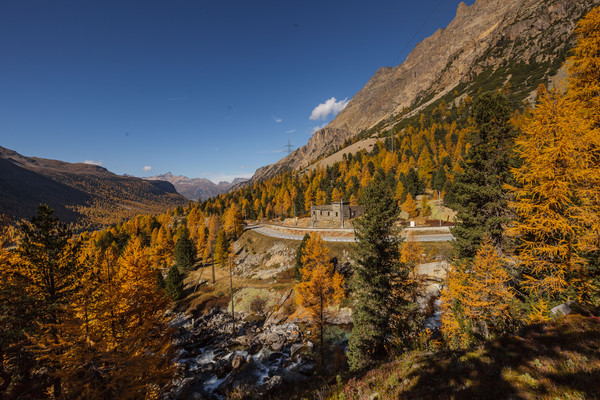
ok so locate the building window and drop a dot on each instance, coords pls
(336, 214)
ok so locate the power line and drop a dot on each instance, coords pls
(416, 33)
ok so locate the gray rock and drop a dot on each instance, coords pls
(295, 348)
(244, 340)
(278, 346)
(342, 317)
(274, 382)
(563, 309)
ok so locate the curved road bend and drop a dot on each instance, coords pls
(263, 230)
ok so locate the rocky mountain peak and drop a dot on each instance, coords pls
(486, 35)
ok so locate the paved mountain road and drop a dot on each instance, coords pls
(264, 230)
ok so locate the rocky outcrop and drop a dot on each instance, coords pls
(489, 33)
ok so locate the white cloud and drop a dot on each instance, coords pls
(277, 120)
(331, 106)
(147, 168)
(91, 162)
(290, 131)
(319, 127)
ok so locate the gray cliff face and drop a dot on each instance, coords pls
(490, 33)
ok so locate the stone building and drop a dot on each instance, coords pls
(341, 211)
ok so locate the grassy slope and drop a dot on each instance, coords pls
(559, 360)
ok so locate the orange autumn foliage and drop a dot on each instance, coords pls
(477, 299)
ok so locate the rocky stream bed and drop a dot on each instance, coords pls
(214, 358)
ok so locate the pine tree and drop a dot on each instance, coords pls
(377, 267)
(174, 283)
(185, 250)
(50, 265)
(479, 196)
(321, 286)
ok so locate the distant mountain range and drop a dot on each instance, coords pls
(88, 195)
(196, 188)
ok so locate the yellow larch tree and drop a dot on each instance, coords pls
(411, 255)
(321, 286)
(477, 299)
(584, 65)
(558, 148)
(584, 85)
(233, 221)
(163, 248)
(336, 195)
(410, 207)
(113, 340)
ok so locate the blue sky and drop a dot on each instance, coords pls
(198, 88)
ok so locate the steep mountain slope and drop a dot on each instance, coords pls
(88, 195)
(488, 44)
(196, 188)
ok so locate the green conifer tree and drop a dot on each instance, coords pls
(479, 194)
(377, 267)
(174, 283)
(185, 251)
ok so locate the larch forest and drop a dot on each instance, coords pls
(197, 303)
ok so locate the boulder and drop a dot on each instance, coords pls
(563, 309)
(342, 317)
(295, 348)
(244, 340)
(278, 346)
(274, 382)
(237, 361)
